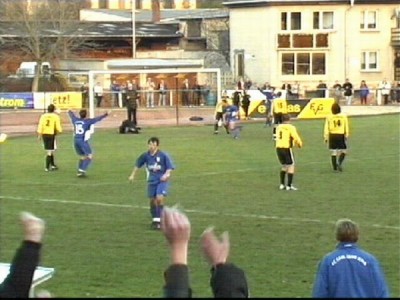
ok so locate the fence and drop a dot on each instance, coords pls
(188, 97)
(173, 97)
(373, 97)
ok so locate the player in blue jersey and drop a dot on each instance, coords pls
(83, 129)
(232, 119)
(158, 166)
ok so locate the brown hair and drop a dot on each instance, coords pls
(346, 231)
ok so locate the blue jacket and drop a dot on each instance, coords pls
(350, 272)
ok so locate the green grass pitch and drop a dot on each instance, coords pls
(98, 237)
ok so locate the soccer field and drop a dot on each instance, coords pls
(98, 237)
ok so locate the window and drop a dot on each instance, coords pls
(369, 61)
(368, 20)
(291, 21)
(284, 41)
(323, 20)
(296, 40)
(169, 3)
(321, 40)
(303, 63)
(318, 63)
(103, 4)
(288, 63)
(302, 41)
(239, 63)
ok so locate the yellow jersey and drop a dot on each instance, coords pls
(49, 123)
(336, 124)
(279, 105)
(287, 136)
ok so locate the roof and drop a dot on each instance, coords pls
(166, 15)
(255, 3)
(153, 63)
(101, 29)
(118, 23)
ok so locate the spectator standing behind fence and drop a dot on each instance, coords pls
(162, 90)
(132, 104)
(85, 93)
(150, 86)
(206, 91)
(98, 93)
(397, 91)
(241, 84)
(337, 91)
(115, 90)
(321, 89)
(186, 92)
(349, 271)
(364, 92)
(384, 87)
(286, 90)
(246, 105)
(196, 93)
(296, 90)
(348, 91)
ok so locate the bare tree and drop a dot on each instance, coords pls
(40, 30)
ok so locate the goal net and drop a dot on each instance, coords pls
(191, 87)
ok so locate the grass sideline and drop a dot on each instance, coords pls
(98, 236)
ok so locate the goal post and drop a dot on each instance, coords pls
(203, 82)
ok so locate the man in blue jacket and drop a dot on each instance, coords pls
(349, 272)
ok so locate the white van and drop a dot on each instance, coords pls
(28, 68)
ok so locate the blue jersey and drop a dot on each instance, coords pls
(232, 113)
(349, 272)
(83, 127)
(156, 165)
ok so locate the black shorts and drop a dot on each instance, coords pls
(219, 116)
(49, 141)
(278, 118)
(337, 142)
(285, 156)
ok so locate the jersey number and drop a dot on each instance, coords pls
(79, 129)
(337, 123)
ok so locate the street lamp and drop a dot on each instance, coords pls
(133, 5)
(177, 77)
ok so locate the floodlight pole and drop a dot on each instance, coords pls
(133, 4)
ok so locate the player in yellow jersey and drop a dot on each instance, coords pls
(286, 137)
(219, 116)
(336, 132)
(49, 126)
(279, 107)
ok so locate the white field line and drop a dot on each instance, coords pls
(142, 180)
(194, 211)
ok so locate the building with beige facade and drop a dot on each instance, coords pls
(141, 4)
(279, 41)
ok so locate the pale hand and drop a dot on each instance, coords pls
(215, 251)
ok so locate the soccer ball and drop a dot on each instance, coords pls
(219, 123)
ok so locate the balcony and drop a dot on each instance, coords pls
(395, 41)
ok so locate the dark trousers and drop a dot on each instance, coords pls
(131, 115)
(98, 100)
